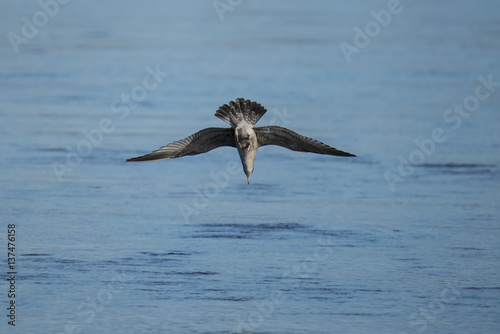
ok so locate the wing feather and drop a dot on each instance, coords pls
(277, 135)
(199, 142)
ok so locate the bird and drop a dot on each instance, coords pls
(241, 115)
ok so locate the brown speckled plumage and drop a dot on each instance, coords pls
(242, 115)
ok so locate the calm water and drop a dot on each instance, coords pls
(402, 239)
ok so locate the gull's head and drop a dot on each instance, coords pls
(245, 138)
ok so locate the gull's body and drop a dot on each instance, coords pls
(242, 115)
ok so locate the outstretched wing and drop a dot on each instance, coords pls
(199, 142)
(277, 135)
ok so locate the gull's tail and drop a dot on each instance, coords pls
(241, 110)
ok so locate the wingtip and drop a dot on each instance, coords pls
(347, 154)
(138, 159)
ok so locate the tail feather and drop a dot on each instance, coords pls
(240, 110)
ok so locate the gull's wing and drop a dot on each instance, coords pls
(277, 135)
(199, 142)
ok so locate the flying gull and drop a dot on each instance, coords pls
(242, 115)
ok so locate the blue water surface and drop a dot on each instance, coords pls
(402, 239)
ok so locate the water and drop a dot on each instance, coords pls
(315, 244)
